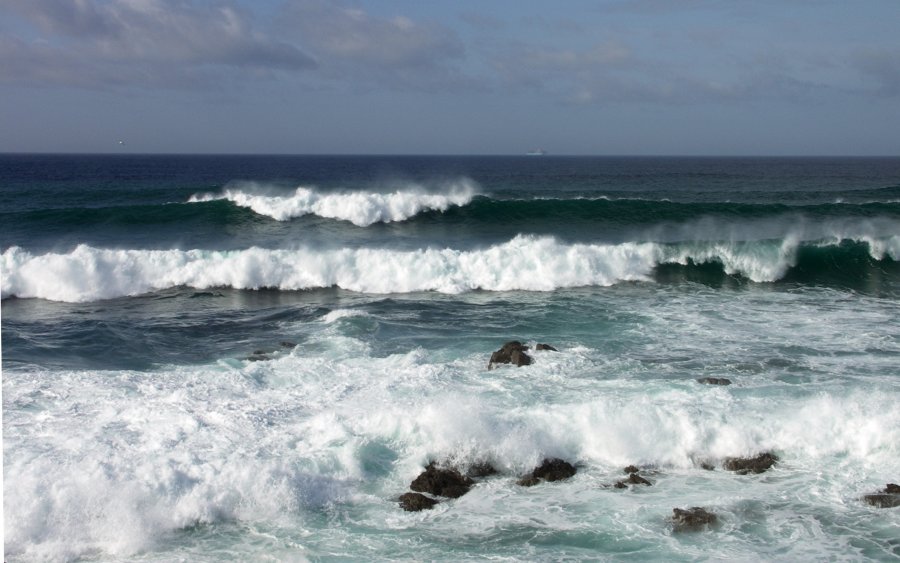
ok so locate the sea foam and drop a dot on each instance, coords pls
(362, 208)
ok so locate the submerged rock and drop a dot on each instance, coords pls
(745, 465)
(512, 352)
(714, 381)
(414, 502)
(692, 519)
(442, 482)
(549, 470)
(546, 347)
(887, 498)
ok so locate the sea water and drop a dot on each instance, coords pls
(250, 358)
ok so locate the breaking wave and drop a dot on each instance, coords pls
(362, 208)
(525, 263)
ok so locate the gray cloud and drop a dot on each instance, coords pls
(139, 41)
(881, 66)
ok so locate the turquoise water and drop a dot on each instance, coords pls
(202, 361)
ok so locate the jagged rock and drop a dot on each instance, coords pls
(888, 498)
(692, 519)
(546, 347)
(442, 482)
(714, 381)
(550, 470)
(745, 465)
(631, 469)
(414, 502)
(512, 352)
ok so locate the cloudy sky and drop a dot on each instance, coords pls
(607, 77)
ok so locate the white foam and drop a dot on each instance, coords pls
(362, 208)
(525, 263)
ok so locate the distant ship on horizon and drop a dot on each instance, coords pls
(536, 152)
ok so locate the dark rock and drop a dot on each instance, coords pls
(631, 469)
(888, 498)
(707, 465)
(635, 479)
(481, 469)
(287, 344)
(714, 381)
(443, 482)
(550, 470)
(546, 347)
(620, 485)
(512, 352)
(692, 519)
(414, 502)
(745, 465)
(883, 500)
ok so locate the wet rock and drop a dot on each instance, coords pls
(632, 469)
(745, 465)
(550, 470)
(620, 485)
(414, 502)
(707, 466)
(481, 469)
(692, 519)
(633, 479)
(287, 344)
(442, 482)
(512, 352)
(714, 381)
(887, 498)
(546, 347)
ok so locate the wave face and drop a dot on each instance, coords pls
(525, 263)
(362, 208)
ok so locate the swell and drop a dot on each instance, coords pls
(525, 263)
(364, 210)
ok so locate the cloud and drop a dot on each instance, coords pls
(89, 42)
(359, 48)
(881, 66)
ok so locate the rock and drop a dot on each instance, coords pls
(550, 470)
(287, 344)
(745, 465)
(512, 352)
(631, 469)
(620, 485)
(442, 482)
(888, 498)
(633, 479)
(692, 519)
(414, 502)
(546, 347)
(481, 469)
(707, 466)
(714, 381)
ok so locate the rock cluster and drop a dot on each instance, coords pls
(512, 352)
(440, 481)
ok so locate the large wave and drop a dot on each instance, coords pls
(525, 263)
(362, 208)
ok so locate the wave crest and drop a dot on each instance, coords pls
(362, 208)
(526, 263)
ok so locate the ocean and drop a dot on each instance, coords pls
(250, 358)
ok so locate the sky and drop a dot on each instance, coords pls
(601, 77)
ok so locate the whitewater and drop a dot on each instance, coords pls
(203, 361)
